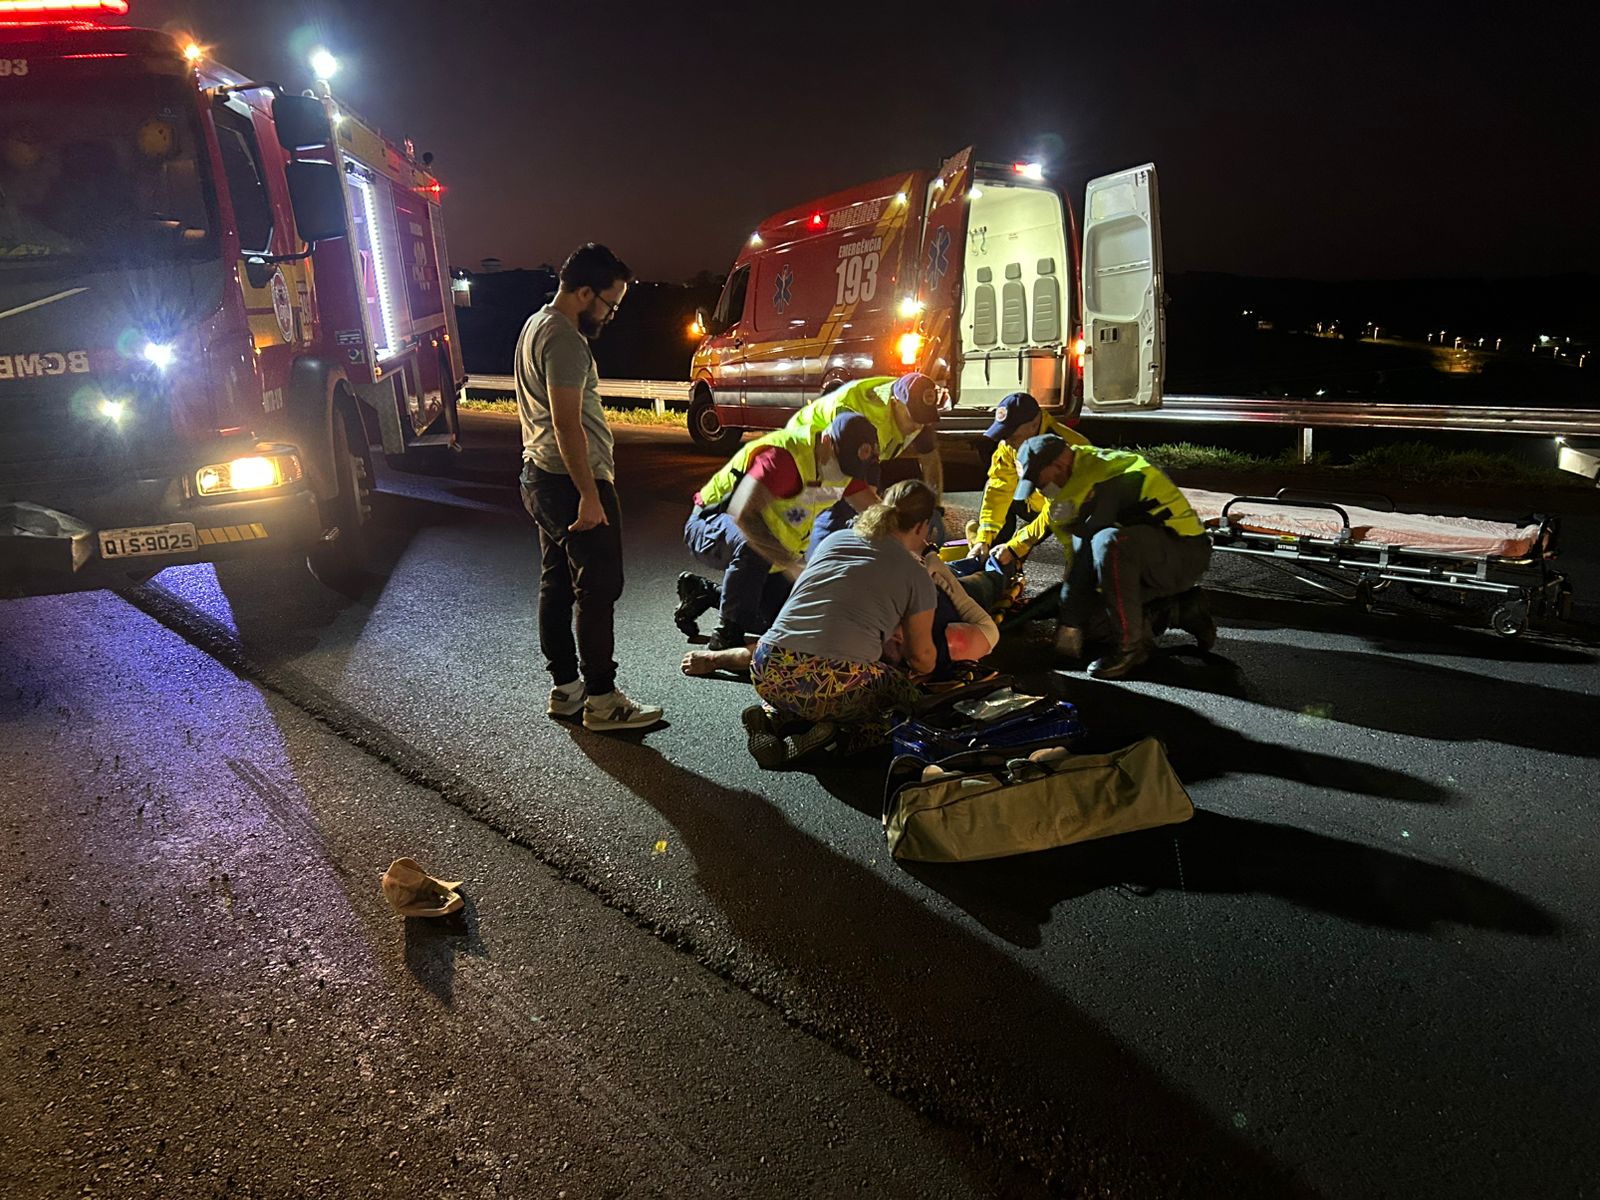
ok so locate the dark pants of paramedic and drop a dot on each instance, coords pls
(752, 593)
(580, 575)
(1125, 567)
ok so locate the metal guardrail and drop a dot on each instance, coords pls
(661, 392)
(1304, 415)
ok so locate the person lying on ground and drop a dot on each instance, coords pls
(822, 660)
(753, 520)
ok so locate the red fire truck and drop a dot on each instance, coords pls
(217, 298)
(971, 273)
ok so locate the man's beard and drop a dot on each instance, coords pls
(589, 326)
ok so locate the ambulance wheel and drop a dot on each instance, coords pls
(1510, 619)
(343, 559)
(706, 428)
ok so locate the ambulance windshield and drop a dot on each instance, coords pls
(100, 165)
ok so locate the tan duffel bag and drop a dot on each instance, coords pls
(974, 810)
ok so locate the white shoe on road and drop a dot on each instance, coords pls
(567, 701)
(616, 711)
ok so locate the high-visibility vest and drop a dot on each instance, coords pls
(790, 519)
(1092, 466)
(1000, 489)
(873, 399)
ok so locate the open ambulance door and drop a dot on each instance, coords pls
(939, 271)
(1124, 325)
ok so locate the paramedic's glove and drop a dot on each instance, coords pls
(1005, 561)
(936, 526)
(978, 550)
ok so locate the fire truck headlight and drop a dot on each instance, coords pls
(113, 410)
(252, 474)
(160, 354)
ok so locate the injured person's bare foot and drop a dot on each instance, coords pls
(708, 662)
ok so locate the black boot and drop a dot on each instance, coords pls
(725, 637)
(696, 595)
(1121, 663)
(1192, 617)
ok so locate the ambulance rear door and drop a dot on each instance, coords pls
(944, 240)
(1124, 325)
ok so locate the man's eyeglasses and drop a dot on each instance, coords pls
(611, 309)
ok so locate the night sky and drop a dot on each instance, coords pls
(1328, 141)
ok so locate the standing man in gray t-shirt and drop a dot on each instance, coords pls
(569, 488)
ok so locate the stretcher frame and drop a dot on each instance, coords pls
(1528, 589)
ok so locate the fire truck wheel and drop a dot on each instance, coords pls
(343, 559)
(706, 429)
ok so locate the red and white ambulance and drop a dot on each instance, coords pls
(217, 298)
(973, 273)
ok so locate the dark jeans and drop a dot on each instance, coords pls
(1124, 568)
(752, 593)
(579, 573)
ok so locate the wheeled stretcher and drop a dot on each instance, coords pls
(1356, 552)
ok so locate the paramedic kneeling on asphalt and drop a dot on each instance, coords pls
(753, 520)
(1130, 537)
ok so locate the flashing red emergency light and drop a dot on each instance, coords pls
(816, 220)
(33, 9)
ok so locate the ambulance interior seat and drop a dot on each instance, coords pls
(1013, 308)
(1046, 304)
(983, 315)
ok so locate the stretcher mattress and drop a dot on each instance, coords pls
(1413, 531)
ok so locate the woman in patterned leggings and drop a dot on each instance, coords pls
(821, 660)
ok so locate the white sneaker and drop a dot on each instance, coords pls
(616, 711)
(567, 701)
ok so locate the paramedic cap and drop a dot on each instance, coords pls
(849, 432)
(901, 390)
(1011, 414)
(412, 892)
(1036, 454)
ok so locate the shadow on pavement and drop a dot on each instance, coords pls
(1404, 632)
(433, 945)
(1201, 748)
(1399, 695)
(901, 986)
(1015, 897)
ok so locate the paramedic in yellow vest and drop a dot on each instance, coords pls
(753, 521)
(905, 412)
(1016, 419)
(1130, 537)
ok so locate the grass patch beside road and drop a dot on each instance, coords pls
(614, 416)
(1408, 462)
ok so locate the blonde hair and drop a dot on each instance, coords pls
(904, 506)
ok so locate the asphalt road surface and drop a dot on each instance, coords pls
(1367, 967)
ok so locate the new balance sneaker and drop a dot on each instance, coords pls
(567, 699)
(615, 711)
(696, 594)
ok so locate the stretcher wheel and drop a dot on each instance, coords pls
(1509, 619)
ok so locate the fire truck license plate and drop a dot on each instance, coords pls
(147, 539)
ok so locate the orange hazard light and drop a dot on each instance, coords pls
(910, 348)
(75, 8)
